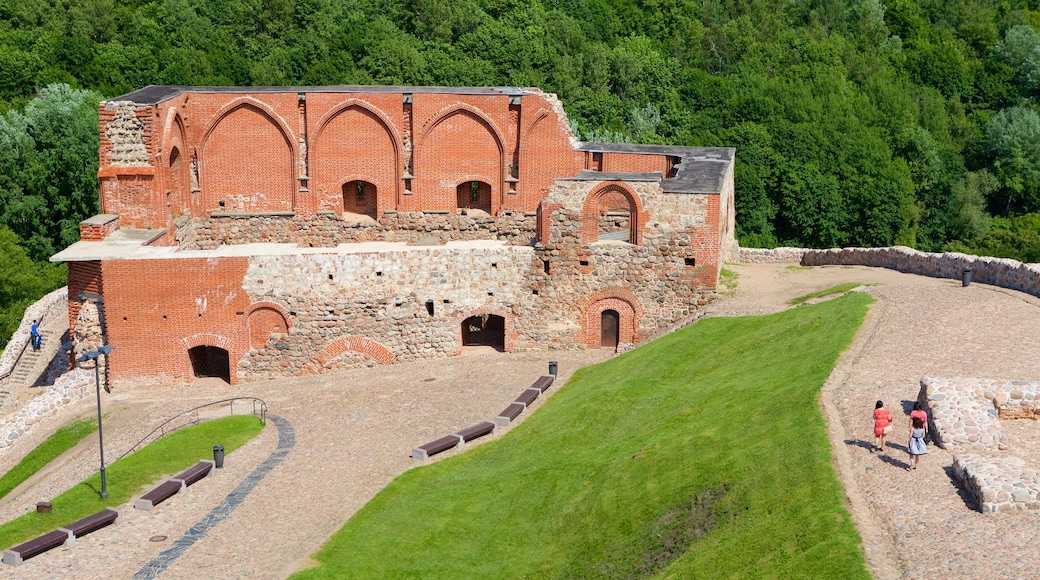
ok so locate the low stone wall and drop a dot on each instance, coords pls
(998, 484)
(66, 390)
(961, 413)
(1002, 272)
(771, 255)
(53, 304)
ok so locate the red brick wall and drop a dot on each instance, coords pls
(458, 142)
(545, 152)
(627, 162)
(155, 308)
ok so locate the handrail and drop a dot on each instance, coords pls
(162, 427)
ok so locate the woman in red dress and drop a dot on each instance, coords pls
(882, 425)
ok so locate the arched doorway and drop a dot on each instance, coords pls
(359, 197)
(210, 361)
(609, 329)
(484, 330)
(473, 195)
(615, 217)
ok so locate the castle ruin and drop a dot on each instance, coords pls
(258, 232)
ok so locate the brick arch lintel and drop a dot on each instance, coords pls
(590, 210)
(443, 114)
(173, 120)
(510, 334)
(261, 106)
(272, 306)
(608, 299)
(344, 344)
(388, 125)
(207, 339)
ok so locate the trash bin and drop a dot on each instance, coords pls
(965, 276)
(552, 367)
(218, 456)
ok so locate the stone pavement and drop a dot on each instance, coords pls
(354, 431)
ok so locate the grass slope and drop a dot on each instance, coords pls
(130, 476)
(701, 454)
(65, 438)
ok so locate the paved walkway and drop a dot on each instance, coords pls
(353, 433)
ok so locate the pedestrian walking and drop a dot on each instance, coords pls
(34, 335)
(916, 445)
(919, 413)
(882, 425)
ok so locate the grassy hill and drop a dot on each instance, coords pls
(701, 454)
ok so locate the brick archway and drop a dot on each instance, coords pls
(201, 352)
(590, 212)
(263, 318)
(621, 300)
(339, 346)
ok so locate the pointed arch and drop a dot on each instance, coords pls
(251, 168)
(358, 157)
(454, 129)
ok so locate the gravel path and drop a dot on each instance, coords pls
(354, 432)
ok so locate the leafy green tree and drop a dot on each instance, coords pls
(24, 282)
(48, 168)
(1013, 139)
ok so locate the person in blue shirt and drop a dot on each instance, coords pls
(34, 335)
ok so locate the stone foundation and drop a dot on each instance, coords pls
(771, 255)
(961, 413)
(998, 484)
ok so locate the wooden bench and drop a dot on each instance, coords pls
(509, 413)
(93, 523)
(478, 430)
(196, 472)
(161, 493)
(36, 546)
(543, 382)
(434, 447)
(527, 397)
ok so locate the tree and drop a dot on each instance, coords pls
(48, 168)
(24, 282)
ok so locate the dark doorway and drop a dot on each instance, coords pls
(609, 322)
(486, 330)
(210, 361)
(473, 195)
(359, 197)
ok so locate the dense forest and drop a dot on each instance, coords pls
(856, 122)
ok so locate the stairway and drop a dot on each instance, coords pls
(29, 366)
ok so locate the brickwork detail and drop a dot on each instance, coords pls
(334, 351)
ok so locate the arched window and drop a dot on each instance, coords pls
(210, 361)
(473, 195)
(359, 198)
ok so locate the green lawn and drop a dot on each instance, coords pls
(65, 438)
(839, 289)
(134, 474)
(701, 454)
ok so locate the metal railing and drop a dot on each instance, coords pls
(259, 410)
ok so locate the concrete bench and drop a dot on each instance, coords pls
(92, 523)
(478, 430)
(543, 382)
(527, 397)
(434, 447)
(196, 472)
(36, 546)
(161, 493)
(509, 413)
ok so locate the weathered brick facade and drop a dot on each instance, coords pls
(263, 232)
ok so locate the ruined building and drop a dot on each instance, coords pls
(274, 231)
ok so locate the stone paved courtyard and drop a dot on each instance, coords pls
(354, 431)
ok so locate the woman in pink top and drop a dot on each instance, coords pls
(882, 425)
(918, 413)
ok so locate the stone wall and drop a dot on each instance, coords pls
(771, 255)
(1002, 272)
(329, 230)
(125, 133)
(66, 390)
(998, 484)
(53, 304)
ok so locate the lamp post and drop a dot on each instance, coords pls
(94, 355)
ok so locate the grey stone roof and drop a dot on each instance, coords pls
(154, 94)
(701, 169)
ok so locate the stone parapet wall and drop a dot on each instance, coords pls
(329, 230)
(66, 390)
(998, 484)
(961, 413)
(53, 304)
(1002, 272)
(771, 255)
